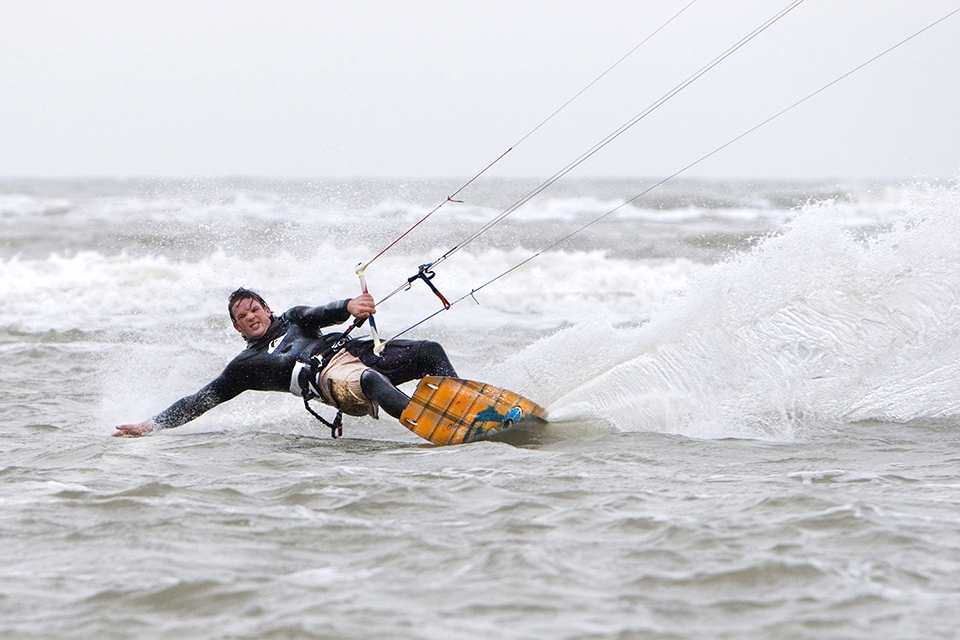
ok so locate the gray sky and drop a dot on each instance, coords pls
(432, 88)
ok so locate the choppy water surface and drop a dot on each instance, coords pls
(757, 421)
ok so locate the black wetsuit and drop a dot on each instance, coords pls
(268, 361)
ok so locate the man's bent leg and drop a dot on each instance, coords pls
(377, 388)
(435, 361)
(405, 360)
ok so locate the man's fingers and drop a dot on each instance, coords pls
(362, 306)
(132, 430)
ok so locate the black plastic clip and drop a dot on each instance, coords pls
(426, 274)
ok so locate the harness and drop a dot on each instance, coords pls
(313, 367)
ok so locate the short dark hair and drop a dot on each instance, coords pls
(243, 294)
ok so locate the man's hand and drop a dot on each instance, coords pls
(362, 306)
(133, 430)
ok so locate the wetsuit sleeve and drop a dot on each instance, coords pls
(323, 316)
(186, 409)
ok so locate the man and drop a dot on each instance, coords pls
(290, 353)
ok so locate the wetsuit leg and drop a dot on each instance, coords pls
(379, 389)
(405, 360)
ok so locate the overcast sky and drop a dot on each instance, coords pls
(439, 88)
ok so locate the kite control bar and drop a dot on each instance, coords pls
(377, 343)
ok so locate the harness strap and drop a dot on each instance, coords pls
(336, 427)
(305, 385)
(316, 365)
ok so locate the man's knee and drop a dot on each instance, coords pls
(436, 359)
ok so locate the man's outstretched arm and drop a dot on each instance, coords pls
(184, 410)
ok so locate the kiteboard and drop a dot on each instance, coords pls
(454, 411)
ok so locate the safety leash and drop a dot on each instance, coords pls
(336, 427)
(317, 363)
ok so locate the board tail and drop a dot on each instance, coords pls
(454, 411)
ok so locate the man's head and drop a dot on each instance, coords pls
(250, 314)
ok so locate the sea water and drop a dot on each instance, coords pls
(753, 390)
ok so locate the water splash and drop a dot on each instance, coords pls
(815, 326)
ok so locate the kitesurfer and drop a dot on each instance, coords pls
(290, 353)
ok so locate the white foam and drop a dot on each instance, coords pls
(816, 325)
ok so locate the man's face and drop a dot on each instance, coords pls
(250, 318)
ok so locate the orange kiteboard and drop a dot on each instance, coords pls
(454, 411)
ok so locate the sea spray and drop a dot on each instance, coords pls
(817, 325)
